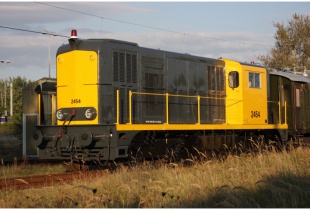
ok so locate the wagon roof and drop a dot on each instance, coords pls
(291, 76)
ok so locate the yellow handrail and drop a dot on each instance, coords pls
(39, 108)
(167, 95)
(285, 118)
(167, 108)
(117, 107)
(280, 114)
(175, 95)
(280, 111)
(130, 107)
(198, 102)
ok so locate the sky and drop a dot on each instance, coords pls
(234, 30)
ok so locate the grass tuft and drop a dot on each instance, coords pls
(263, 178)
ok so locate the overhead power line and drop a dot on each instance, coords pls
(151, 27)
(31, 31)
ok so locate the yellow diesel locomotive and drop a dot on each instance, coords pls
(115, 99)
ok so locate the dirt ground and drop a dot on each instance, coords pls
(10, 147)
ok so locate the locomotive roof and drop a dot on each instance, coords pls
(117, 41)
(291, 76)
(94, 44)
(45, 84)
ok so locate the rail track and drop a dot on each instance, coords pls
(47, 180)
(34, 181)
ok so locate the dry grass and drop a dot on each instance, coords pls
(272, 180)
(25, 169)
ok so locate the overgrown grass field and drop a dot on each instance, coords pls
(267, 179)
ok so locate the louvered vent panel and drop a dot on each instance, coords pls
(115, 66)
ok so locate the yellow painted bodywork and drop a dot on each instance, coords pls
(255, 99)
(77, 82)
(234, 102)
(163, 127)
(241, 105)
(245, 104)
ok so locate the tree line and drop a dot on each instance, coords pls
(19, 84)
(292, 45)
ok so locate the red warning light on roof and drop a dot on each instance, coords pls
(73, 34)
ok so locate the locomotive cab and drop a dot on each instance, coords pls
(246, 94)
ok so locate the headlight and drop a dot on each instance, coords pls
(90, 114)
(60, 115)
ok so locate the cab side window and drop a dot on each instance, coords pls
(233, 79)
(254, 80)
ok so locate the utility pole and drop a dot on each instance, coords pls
(1, 97)
(49, 50)
(5, 111)
(11, 99)
(5, 62)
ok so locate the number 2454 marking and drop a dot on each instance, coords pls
(75, 101)
(255, 114)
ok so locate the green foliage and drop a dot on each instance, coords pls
(15, 121)
(292, 46)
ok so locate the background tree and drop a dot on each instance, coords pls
(292, 46)
(15, 122)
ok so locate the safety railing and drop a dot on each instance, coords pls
(166, 104)
(198, 108)
(280, 111)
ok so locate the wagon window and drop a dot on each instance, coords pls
(297, 97)
(254, 80)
